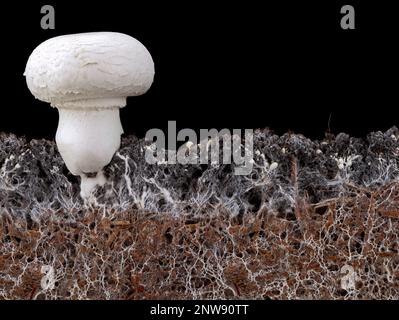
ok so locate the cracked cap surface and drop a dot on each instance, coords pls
(98, 69)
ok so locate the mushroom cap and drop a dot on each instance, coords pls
(89, 70)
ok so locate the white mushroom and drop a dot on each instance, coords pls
(88, 77)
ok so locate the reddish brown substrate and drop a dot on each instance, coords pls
(136, 255)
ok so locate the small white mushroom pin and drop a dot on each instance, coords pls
(88, 77)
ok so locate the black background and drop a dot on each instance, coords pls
(258, 309)
(223, 64)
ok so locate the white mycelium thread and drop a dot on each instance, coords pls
(88, 77)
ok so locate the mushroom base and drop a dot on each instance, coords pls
(88, 139)
(87, 184)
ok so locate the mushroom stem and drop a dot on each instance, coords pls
(87, 139)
